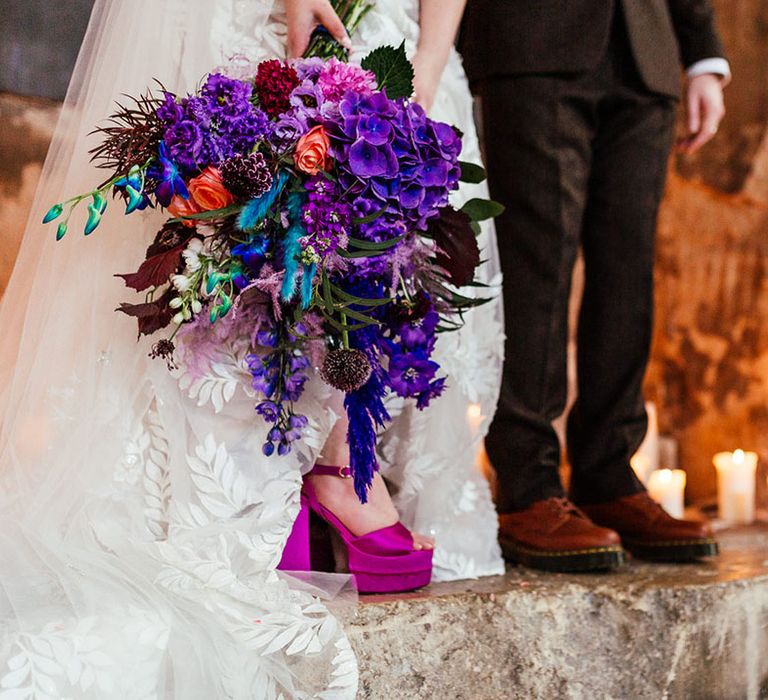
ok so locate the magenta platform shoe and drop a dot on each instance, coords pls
(383, 561)
(296, 553)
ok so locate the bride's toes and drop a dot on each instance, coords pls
(422, 541)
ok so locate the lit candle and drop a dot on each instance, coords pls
(475, 418)
(736, 485)
(667, 488)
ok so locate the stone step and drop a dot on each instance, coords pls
(682, 632)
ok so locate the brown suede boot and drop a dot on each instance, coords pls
(554, 535)
(649, 532)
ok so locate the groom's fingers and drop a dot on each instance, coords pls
(694, 112)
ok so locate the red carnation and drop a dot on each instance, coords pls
(274, 83)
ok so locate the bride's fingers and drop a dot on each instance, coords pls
(330, 20)
(298, 39)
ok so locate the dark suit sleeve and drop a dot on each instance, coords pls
(694, 24)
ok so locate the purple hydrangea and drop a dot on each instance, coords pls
(393, 157)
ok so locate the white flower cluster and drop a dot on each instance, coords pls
(186, 284)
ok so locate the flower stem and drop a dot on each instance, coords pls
(344, 332)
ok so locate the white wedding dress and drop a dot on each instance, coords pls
(140, 526)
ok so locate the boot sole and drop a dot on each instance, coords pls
(568, 560)
(679, 552)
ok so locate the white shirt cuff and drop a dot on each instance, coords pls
(718, 66)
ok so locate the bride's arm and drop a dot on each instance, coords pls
(303, 16)
(439, 20)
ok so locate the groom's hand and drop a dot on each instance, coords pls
(304, 16)
(704, 111)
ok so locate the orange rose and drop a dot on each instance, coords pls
(312, 151)
(183, 207)
(209, 192)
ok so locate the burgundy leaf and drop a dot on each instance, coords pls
(170, 236)
(152, 316)
(458, 253)
(155, 270)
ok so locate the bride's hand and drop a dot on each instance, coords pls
(303, 18)
(427, 73)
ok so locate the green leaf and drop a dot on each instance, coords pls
(363, 318)
(352, 299)
(327, 296)
(213, 214)
(344, 327)
(359, 254)
(371, 217)
(372, 245)
(482, 209)
(393, 70)
(472, 173)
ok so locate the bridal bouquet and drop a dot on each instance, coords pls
(309, 212)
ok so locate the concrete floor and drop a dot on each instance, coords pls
(688, 632)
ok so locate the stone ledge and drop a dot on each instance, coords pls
(689, 632)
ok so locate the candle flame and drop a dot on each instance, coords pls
(664, 475)
(738, 456)
(475, 411)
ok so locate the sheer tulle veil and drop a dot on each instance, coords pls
(139, 528)
(79, 614)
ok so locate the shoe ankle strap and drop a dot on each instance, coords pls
(329, 470)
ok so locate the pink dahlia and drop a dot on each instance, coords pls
(337, 77)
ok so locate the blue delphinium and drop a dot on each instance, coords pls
(279, 375)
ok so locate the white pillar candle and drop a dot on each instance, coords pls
(667, 488)
(736, 486)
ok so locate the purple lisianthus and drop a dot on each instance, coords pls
(218, 123)
(309, 68)
(288, 129)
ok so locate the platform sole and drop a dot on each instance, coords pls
(365, 582)
(391, 583)
(569, 560)
(673, 551)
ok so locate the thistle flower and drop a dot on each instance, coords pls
(346, 369)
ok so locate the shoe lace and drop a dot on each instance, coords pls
(564, 506)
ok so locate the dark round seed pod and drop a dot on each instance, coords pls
(346, 370)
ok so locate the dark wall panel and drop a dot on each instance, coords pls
(39, 41)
